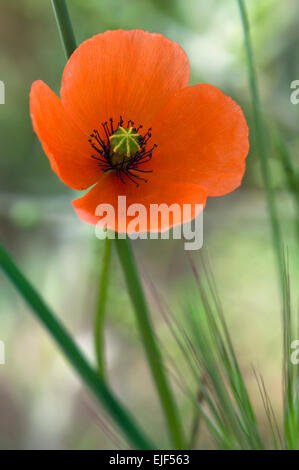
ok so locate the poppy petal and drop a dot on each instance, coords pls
(128, 73)
(63, 142)
(202, 137)
(110, 188)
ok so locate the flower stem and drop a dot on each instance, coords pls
(65, 26)
(73, 353)
(100, 313)
(260, 129)
(151, 349)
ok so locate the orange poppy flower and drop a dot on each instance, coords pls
(128, 124)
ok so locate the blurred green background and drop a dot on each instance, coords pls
(42, 404)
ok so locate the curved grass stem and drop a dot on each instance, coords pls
(73, 354)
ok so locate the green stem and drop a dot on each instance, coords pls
(262, 146)
(65, 26)
(290, 172)
(73, 354)
(151, 349)
(100, 313)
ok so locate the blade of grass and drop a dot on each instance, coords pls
(73, 354)
(260, 130)
(152, 351)
(174, 329)
(196, 419)
(105, 425)
(100, 313)
(224, 351)
(290, 172)
(290, 373)
(234, 423)
(276, 437)
(229, 354)
(205, 347)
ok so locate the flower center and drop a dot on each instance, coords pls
(122, 149)
(124, 144)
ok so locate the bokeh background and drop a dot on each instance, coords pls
(42, 404)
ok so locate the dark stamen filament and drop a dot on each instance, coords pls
(127, 167)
